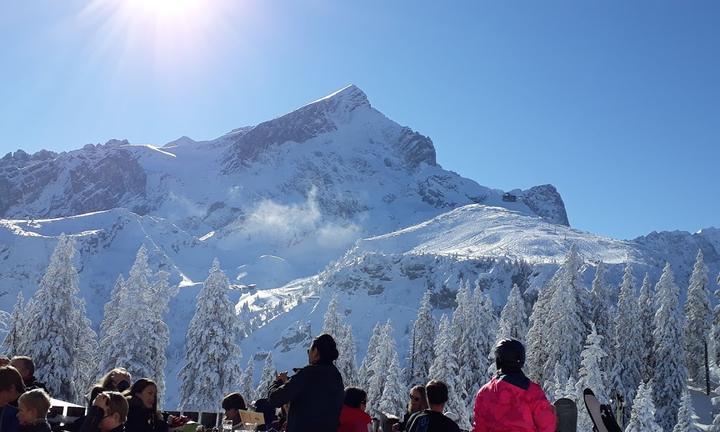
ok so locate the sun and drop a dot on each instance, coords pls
(174, 36)
(165, 9)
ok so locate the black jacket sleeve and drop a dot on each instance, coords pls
(92, 419)
(281, 394)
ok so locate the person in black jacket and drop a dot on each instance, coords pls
(143, 415)
(315, 393)
(433, 419)
(108, 413)
(26, 367)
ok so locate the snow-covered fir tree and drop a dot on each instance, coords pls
(562, 385)
(366, 372)
(473, 329)
(379, 366)
(685, 415)
(109, 326)
(485, 324)
(557, 326)
(247, 385)
(140, 325)
(512, 324)
(16, 337)
(646, 309)
(422, 338)
(536, 345)
(60, 339)
(445, 368)
(464, 340)
(393, 396)
(591, 375)
(212, 356)
(626, 347)
(267, 378)
(334, 325)
(669, 374)
(346, 363)
(642, 418)
(112, 309)
(514, 317)
(600, 309)
(698, 320)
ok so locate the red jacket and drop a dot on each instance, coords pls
(513, 403)
(353, 420)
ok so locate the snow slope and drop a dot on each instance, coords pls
(384, 277)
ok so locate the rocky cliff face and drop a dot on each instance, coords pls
(546, 202)
(48, 184)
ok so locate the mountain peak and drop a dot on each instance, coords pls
(309, 121)
(347, 98)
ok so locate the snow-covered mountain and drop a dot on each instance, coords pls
(332, 197)
(316, 179)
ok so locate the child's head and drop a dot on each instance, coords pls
(115, 410)
(11, 385)
(33, 406)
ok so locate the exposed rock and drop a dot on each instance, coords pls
(545, 201)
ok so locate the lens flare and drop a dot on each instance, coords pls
(174, 36)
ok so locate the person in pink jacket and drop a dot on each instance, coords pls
(510, 402)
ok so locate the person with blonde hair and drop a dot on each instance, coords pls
(33, 407)
(118, 379)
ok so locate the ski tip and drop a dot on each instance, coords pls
(588, 392)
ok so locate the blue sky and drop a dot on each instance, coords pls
(616, 103)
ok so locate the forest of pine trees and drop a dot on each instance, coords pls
(645, 347)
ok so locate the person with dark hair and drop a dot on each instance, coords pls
(433, 419)
(143, 415)
(26, 367)
(232, 404)
(315, 393)
(353, 417)
(510, 401)
(108, 413)
(11, 387)
(417, 403)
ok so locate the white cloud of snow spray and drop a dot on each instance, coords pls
(300, 222)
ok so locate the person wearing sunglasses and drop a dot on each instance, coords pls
(417, 403)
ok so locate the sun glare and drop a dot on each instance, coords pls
(166, 9)
(175, 36)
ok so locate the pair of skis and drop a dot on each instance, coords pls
(601, 415)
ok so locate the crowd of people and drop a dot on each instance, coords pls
(313, 399)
